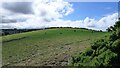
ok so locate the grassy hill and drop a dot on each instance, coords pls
(103, 52)
(46, 47)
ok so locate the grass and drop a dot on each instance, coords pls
(46, 47)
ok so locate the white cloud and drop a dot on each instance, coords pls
(52, 9)
(48, 13)
(45, 11)
(101, 24)
(108, 20)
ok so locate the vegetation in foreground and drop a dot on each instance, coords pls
(46, 47)
(103, 52)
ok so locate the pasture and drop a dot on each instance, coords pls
(46, 47)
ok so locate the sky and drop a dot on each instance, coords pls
(58, 13)
(95, 10)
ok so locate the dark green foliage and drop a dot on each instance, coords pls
(116, 46)
(103, 58)
(74, 30)
(108, 29)
(117, 25)
(98, 43)
(118, 33)
(113, 37)
(103, 52)
(112, 28)
(89, 52)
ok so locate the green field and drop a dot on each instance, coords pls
(46, 47)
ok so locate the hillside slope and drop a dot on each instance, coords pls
(46, 47)
(103, 52)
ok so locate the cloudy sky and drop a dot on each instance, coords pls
(58, 13)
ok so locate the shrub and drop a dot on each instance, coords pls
(106, 57)
(118, 33)
(113, 37)
(89, 52)
(103, 52)
(116, 46)
(109, 30)
(117, 24)
(98, 43)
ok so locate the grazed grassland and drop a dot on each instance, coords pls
(46, 47)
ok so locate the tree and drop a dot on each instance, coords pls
(117, 25)
(108, 30)
(112, 28)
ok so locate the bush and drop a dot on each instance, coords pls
(103, 52)
(89, 52)
(118, 33)
(98, 43)
(106, 57)
(116, 46)
(117, 24)
(109, 30)
(113, 37)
